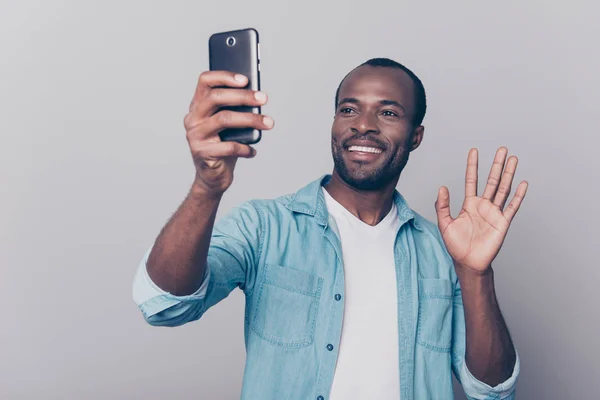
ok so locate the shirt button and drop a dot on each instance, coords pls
(330, 347)
(320, 398)
(338, 297)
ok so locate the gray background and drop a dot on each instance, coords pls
(93, 160)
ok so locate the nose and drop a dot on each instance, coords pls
(365, 123)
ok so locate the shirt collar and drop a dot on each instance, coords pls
(310, 200)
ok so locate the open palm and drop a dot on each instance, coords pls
(475, 236)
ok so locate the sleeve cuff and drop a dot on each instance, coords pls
(151, 299)
(479, 390)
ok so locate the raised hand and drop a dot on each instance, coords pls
(475, 236)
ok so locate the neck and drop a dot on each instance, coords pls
(369, 206)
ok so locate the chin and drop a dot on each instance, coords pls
(364, 180)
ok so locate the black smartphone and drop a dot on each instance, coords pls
(238, 51)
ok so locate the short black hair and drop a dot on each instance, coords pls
(420, 98)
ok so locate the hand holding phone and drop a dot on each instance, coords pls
(224, 117)
(209, 114)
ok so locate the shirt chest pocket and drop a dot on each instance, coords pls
(285, 312)
(434, 330)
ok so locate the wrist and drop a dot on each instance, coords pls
(467, 275)
(200, 193)
(472, 273)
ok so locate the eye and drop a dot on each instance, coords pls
(388, 113)
(346, 110)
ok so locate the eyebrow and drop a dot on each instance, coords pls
(353, 100)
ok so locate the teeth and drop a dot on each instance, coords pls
(364, 149)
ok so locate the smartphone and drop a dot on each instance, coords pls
(238, 51)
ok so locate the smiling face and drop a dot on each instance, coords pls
(373, 133)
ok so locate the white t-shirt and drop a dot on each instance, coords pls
(368, 358)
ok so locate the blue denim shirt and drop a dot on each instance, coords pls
(286, 256)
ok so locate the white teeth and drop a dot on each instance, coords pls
(364, 149)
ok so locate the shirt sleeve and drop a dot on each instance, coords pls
(152, 300)
(232, 258)
(474, 388)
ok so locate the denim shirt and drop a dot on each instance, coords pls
(286, 256)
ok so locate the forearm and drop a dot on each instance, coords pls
(177, 262)
(490, 354)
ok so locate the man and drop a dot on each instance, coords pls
(350, 294)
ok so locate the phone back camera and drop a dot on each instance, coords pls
(230, 41)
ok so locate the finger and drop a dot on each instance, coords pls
(220, 97)
(222, 78)
(211, 79)
(442, 208)
(506, 182)
(210, 151)
(201, 129)
(471, 175)
(495, 173)
(226, 119)
(516, 201)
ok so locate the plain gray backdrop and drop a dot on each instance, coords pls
(93, 161)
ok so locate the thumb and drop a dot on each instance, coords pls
(442, 208)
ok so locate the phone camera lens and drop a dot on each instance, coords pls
(230, 41)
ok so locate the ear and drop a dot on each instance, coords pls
(417, 137)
